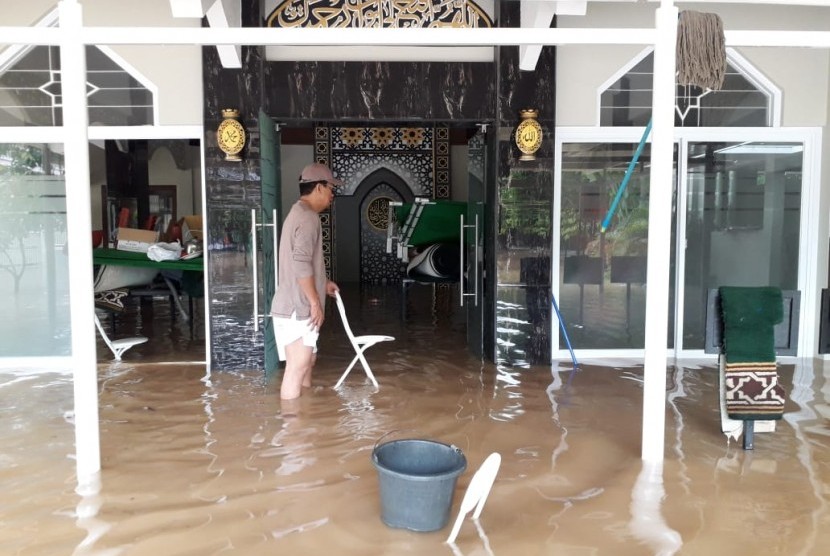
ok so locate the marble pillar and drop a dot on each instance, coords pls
(232, 190)
(524, 203)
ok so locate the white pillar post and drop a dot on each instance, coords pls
(79, 238)
(659, 233)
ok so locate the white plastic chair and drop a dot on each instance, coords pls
(118, 347)
(359, 343)
(477, 492)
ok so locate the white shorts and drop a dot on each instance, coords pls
(288, 330)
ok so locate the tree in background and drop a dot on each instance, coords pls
(29, 201)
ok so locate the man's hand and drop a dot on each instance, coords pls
(331, 288)
(316, 318)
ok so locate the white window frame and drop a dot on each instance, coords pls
(808, 282)
(733, 57)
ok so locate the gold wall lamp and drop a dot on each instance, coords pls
(528, 134)
(230, 135)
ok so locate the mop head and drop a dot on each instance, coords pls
(701, 50)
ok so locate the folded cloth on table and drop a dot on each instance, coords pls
(164, 251)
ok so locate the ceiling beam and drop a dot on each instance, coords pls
(539, 14)
(396, 37)
(227, 14)
(221, 14)
(535, 14)
(189, 8)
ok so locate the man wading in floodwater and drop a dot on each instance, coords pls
(298, 307)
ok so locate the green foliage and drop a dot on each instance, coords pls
(586, 196)
(20, 160)
(524, 211)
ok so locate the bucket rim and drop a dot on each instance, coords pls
(388, 433)
(424, 440)
(455, 472)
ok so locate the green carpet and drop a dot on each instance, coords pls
(749, 317)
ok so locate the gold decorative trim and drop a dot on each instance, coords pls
(378, 14)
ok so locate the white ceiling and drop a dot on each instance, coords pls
(535, 14)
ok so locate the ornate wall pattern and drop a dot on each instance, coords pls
(356, 152)
(419, 155)
(322, 153)
(442, 162)
(378, 13)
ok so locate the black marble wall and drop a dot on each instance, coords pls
(379, 90)
(232, 190)
(524, 204)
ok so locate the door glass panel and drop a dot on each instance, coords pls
(743, 220)
(34, 282)
(473, 275)
(602, 275)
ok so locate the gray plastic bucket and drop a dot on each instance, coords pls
(417, 482)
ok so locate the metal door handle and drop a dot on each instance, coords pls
(475, 267)
(461, 262)
(276, 251)
(254, 269)
(475, 261)
(254, 225)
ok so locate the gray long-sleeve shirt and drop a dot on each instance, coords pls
(300, 255)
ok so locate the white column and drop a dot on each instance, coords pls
(79, 237)
(659, 233)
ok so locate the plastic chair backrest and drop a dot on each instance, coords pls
(119, 346)
(104, 335)
(342, 310)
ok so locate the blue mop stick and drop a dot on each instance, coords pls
(564, 332)
(607, 220)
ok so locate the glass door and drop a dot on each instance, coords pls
(744, 195)
(271, 218)
(473, 252)
(603, 245)
(743, 221)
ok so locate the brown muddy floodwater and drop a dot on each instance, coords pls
(198, 464)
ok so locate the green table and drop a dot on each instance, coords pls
(191, 280)
(104, 256)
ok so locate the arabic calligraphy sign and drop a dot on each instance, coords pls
(378, 14)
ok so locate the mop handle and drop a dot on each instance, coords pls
(607, 220)
(564, 331)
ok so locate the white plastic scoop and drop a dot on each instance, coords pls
(477, 492)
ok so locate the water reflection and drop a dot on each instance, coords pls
(675, 395)
(802, 394)
(555, 402)
(647, 523)
(86, 513)
(197, 463)
(483, 549)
